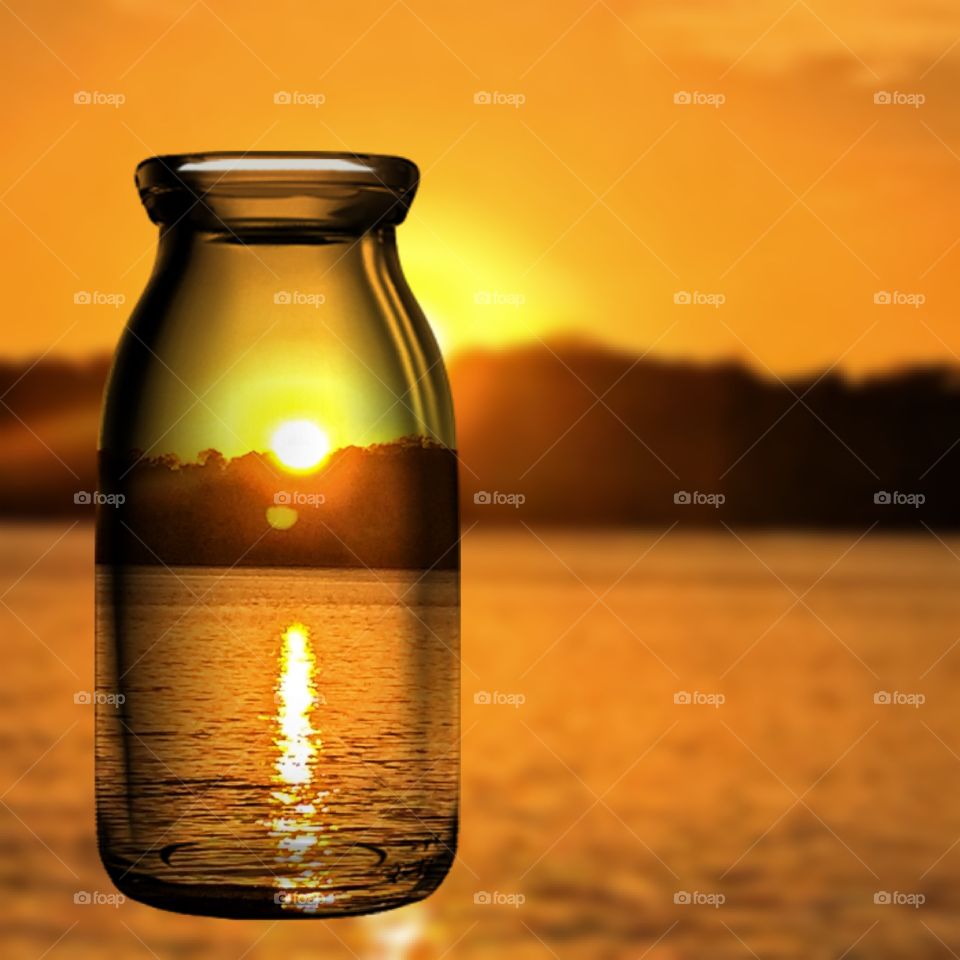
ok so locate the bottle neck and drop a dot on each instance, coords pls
(277, 258)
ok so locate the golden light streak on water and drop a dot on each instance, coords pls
(297, 826)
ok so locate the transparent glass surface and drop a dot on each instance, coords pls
(278, 561)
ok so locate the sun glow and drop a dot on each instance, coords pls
(300, 445)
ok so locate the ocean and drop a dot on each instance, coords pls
(674, 745)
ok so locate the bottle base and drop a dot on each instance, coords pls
(246, 902)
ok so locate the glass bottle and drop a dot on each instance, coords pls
(278, 571)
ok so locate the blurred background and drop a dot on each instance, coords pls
(692, 268)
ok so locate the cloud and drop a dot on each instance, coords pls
(780, 35)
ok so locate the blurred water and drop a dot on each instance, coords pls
(591, 799)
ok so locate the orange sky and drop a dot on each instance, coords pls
(588, 208)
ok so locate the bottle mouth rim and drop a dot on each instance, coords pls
(335, 190)
(261, 170)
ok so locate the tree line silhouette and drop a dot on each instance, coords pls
(387, 505)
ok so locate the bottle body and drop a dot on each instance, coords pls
(278, 571)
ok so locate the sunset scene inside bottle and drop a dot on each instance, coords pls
(278, 578)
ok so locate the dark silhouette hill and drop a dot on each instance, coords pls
(49, 421)
(812, 452)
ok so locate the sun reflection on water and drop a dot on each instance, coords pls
(297, 826)
(392, 936)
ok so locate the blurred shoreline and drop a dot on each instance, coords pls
(581, 435)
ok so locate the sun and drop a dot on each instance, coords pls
(299, 444)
